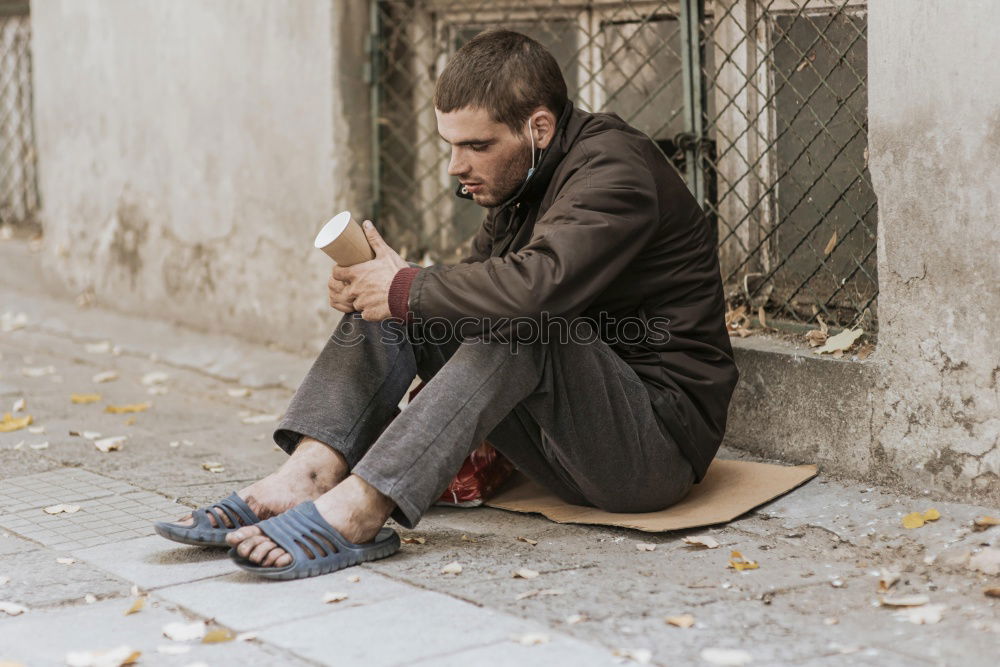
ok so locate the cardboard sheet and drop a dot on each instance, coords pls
(729, 489)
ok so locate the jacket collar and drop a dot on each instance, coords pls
(548, 160)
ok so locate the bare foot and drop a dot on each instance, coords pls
(354, 507)
(311, 470)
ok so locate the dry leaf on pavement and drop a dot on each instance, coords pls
(983, 522)
(887, 580)
(831, 244)
(213, 466)
(38, 371)
(816, 337)
(218, 635)
(905, 601)
(452, 568)
(106, 376)
(526, 540)
(738, 563)
(116, 657)
(986, 561)
(40, 445)
(525, 573)
(925, 615)
(61, 509)
(992, 592)
(841, 341)
(682, 621)
(538, 593)
(414, 540)
(10, 424)
(12, 608)
(137, 606)
(112, 444)
(84, 399)
(65, 561)
(701, 541)
(639, 655)
(334, 597)
(124, 409)
(156, 377)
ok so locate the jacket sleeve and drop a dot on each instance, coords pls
(603, 216)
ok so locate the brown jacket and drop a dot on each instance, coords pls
(605, 225)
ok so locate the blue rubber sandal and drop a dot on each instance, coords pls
(202, 533)
(316, 547)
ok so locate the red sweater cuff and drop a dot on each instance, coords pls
(399, 293)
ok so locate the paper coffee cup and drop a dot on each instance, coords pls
(344, 241)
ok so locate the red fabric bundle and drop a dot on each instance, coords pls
(481, 474)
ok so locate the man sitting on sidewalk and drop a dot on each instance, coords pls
(583, 337)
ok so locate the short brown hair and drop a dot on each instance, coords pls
(507, 73)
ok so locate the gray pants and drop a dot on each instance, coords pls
(571, 416)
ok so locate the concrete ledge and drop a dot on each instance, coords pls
(795, 406)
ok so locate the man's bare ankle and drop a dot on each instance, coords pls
(324, 464)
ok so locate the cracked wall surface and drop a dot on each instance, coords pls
(189, 152)
(934, 137)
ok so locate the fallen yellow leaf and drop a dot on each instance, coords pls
(682, 621)
(137, 606)
(913, 520)
(10, 424)
(218, 635)
(831, 244)
(83, 399)
(122, 409)
(738, 563)
(984, 522)
(932, 515)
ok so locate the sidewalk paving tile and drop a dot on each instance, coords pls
(67, 485)
(36, 579)
(243, 601)
(100, 520)
(399, 631)
(557, 651)
(45, 637)
(152, 562)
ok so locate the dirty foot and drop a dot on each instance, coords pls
(312, 470)
(355, 508)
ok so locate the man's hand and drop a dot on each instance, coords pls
(367, 284)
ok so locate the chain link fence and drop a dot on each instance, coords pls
(761, 105)
(18, 191)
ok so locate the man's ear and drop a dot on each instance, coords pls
(543, 124)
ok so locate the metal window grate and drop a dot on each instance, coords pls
(18, 188)
(760, 104)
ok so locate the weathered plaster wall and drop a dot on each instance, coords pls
(189, 151)
(934, 136)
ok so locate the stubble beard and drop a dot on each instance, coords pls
(509, 179)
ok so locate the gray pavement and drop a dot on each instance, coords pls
(813, 601)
